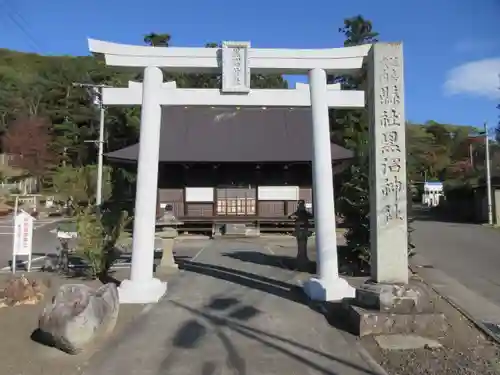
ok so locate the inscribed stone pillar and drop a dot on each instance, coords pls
(388, 206)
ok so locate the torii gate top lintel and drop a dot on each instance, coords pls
(208, 60)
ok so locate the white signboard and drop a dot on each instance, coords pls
(278, 193)
(199, 194)
(23, 238)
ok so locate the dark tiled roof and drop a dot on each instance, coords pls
(203, 134)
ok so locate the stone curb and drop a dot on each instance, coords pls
(477, 323)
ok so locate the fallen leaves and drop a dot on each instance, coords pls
(21, 291)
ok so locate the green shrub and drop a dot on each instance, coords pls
(90, 241)
(97, 237)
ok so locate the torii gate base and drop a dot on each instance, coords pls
(384, 101)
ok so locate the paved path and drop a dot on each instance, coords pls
(222, 315)
(462, 262)
(44, 242)
(467, 252)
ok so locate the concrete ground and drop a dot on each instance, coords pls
(235, 308)
(20, 354)
(467, 252)
(230, 311)
(461, 262)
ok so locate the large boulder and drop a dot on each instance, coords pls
(78, 315)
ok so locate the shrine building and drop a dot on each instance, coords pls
(241, 166)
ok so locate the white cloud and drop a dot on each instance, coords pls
(477, 78)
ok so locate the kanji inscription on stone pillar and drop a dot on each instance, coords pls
(388, 201)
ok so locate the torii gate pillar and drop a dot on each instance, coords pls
(328, 286)
(142, 286)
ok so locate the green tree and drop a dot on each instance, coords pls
(80, 183)
(157, 40)
(357, 31)
(418, 142)
(350, 129)
(439, 152)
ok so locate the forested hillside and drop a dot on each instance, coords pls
(48, 120)
(39, 90)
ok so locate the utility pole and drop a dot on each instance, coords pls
(97, 98)
(488, 174)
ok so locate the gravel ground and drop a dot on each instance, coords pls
(19, 354)
(465, 351)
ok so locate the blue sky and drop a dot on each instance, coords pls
(452, 47)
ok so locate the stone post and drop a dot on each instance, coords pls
(328, 286)
(389, 303)
(388, 206)
(142, 287)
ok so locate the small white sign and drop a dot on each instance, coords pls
(235, 67)
(23, 238)
(278, 193)
(199, 194)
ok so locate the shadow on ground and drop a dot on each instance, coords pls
(441, 214)
(333, 313)
(250, 280)
(347, 265)
(221, 314)
(273, 260)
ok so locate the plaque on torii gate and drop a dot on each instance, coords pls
(235, 68)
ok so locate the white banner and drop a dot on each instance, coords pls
(23, 238)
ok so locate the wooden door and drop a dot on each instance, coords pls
(235, 202)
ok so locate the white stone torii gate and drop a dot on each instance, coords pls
(236, 60)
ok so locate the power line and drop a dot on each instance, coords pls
(18, 15)
(20, 22)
